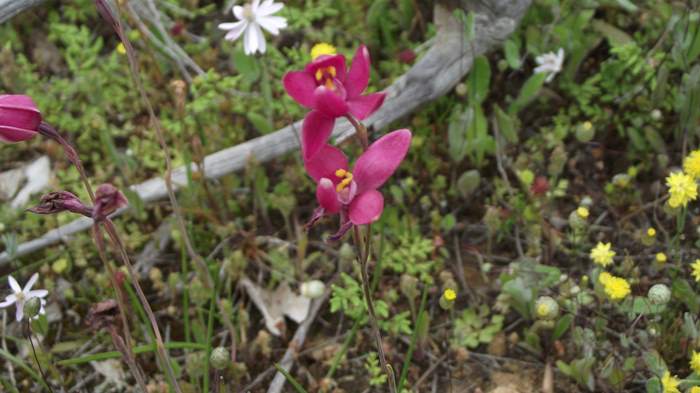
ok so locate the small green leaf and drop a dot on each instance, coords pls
(562, 326)
(479, 80)
(260, 123)
(246, 66)
(528, 93)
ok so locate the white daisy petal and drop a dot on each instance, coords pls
(238, 12)
(262, 45)
(31, 282)
(14, 284)
(273, 24)
(269, 9)
(236, 31)
(9, 300)
(19, 314)
(255, 5)
(37, 293)
(250, 40)
(228, 26)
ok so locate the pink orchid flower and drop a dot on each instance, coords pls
(354, 194)
(329, 91)
(19, 118)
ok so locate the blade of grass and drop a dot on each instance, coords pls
(141, 349)
(414, 339)
(21, 364)
(297, 386)
(346, 344)
(210, 331)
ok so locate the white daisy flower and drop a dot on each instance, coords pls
(20, 296)
(550, 63)
(251, 17)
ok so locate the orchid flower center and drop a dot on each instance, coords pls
(20, 296)
(248, 12)
(347, 188)
(325, 76)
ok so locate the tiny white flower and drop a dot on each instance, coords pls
(20, 296)
(251, 17)
(550, 63)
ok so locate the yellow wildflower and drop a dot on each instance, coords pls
(616, 288)
(661, 258)
(321, 49)
(691, 164)
(695, 361)
(670, 383)
(121, 49)
(450, 295)
(682, 189)
(694, 389)
(696, 270)
(582, 212)
(602, 255)
(651, 232)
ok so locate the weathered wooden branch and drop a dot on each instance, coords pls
(443, 66)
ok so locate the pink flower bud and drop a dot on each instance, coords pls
(107, 200)
(19, 118)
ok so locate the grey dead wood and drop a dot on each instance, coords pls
(438, 70)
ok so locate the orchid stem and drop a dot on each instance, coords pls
(363, 258)
(361, 132)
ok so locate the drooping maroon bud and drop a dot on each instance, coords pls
(48, 131)
(177, 29)
(107, 200)
(407, 56)
(540, 186)
(19, 118)
(60, 201)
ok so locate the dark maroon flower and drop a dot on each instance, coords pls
(107, 200)
(60, 201)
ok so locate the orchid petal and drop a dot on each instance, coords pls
(366, 207)
(31, 282)
(381, 159)
(327, 196)
(319, 212)
(363, 106)
(316, 130)
(14, 135)
(330, 102)
(344, 228)
(336, 62)
(358, 76)
(300, 85)
(14, 284)
(324, 164)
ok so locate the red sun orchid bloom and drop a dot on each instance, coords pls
(19, 118)
(354, 194)
(330, 91)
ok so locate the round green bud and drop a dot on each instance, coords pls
(659, 294)
(585, 132)
(32, 307)
(546, 308)
(219, 358)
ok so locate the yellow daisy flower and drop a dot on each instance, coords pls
(582, 212)
(695, 361)
(602, 255)
(682, 189)
(322, 48)
(616, 288)
(694, 389)
(661, 258)
(691, 164)
(696, 270)
(651, 232)
(670, 383)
